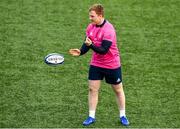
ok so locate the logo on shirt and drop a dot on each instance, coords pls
(91, 34)
(109, 36)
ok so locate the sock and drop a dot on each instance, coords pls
(92, 113)
(122, 113)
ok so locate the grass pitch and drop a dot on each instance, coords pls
(34, 95)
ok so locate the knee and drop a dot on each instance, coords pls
(93, 89)
(118, 89)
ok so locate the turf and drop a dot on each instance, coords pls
(34, 95)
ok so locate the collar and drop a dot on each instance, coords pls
(101, 24)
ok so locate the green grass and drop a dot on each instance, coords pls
(34, 95)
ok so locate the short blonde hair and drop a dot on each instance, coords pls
(98, 8)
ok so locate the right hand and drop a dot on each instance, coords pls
(75, 52)
(88, 41)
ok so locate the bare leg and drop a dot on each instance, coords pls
(94, 86)
(118, 89)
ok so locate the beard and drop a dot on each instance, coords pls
(93, 22)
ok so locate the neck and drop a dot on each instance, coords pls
(101, 21)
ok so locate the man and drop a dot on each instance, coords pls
(105, 62)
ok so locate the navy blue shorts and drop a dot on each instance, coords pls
(112, 76)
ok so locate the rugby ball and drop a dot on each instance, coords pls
(54, 59)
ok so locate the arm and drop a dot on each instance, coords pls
(103, 49)
(84, 49)
(79, 52)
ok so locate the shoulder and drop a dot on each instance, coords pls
(89, 27)
(109, 26)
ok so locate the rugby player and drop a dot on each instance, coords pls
(105, 62)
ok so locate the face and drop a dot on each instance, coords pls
(95, 19)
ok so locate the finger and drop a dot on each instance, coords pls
(87, 39)
(70, 51)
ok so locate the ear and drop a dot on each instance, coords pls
(100, 16)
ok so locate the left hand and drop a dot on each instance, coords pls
(75, 52)
(88, 41)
